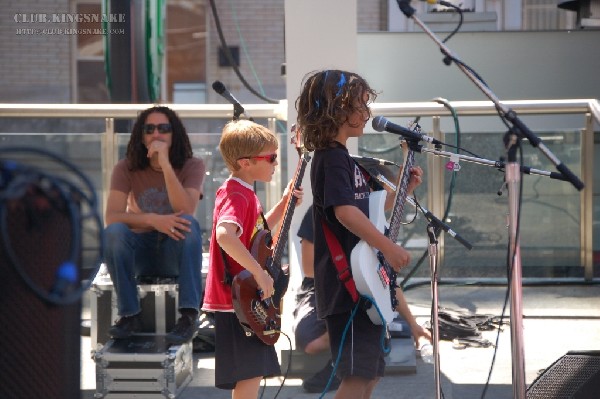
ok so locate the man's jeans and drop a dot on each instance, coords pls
(128, 255)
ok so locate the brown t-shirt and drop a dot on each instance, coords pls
(147, 190)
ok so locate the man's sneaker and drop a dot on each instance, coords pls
(318, 382)
(185, 329)
(126, 326)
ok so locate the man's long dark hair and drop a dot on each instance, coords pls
(180, 151)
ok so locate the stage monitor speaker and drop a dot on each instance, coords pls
(39, 340)
(576, 375)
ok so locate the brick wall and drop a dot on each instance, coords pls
(35, 64)
(261, 23)
(372, 15)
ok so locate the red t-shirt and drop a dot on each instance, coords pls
(235, 203)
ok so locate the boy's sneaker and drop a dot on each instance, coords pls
(318, 382)
(126, 326)
(185, 329)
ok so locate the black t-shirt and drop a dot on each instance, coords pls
(336, 180)
(305, 231)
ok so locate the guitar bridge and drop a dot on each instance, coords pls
(383, 270)
(259, 310)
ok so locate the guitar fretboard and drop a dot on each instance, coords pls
(289, 212)
(398, 210)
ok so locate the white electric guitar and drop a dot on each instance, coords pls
(373, 276)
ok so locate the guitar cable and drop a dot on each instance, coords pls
(61, 195)
(264, 387)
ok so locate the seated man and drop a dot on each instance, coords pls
(310, 331)
(151, 230)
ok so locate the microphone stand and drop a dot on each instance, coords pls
(512, 178)
(433, 229)
(237, 111)
(435, 327)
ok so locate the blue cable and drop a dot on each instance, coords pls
(385, 349)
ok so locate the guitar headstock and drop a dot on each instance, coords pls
(410, 143)
(414, 125)
(296, 139)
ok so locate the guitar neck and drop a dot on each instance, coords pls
(398, 210)
(289, 213)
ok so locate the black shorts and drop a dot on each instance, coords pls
(362, 354)
(307, 325)
(239, 357)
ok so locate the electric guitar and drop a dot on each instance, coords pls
(263, 317)
(373, 275)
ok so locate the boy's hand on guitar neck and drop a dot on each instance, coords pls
(416, 173)
(416, 179)
(298, 193)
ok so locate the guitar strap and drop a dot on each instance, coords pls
(337, 253)
(227, 277)
(340, 262)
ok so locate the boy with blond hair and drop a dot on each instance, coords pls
(250, 152)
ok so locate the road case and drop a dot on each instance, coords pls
(158, 301)
(142, 366)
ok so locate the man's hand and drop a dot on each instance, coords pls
(160, 150)
(172, 225)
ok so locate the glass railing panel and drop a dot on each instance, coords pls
(206, 147)
(550, 220)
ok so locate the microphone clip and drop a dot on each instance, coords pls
(237, 111)
(413, 144)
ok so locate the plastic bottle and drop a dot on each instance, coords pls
(426, 351)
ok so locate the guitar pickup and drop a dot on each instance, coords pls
(383, 276)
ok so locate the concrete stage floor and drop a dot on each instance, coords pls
(557, 319)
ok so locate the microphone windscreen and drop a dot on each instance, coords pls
(379, 123)
(218, 87)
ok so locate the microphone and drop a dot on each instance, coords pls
(440, 2)
(376, 168)
(381, 124)
(433, 219)
(368, 161)
(220, 88)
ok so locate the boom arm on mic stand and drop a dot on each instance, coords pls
(374, 166)
(510, 115)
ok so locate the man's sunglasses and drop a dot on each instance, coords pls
(163, 128)
(271, 158)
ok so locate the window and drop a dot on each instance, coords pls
(90, 78)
